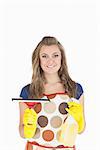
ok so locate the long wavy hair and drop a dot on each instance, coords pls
(36, 88)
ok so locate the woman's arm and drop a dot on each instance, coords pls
(22, 107)
(81, 100)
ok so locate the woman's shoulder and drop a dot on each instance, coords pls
(79, 90)
(26, 86)
(25, 91)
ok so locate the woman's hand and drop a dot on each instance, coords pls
(76, 111)
(30, 122)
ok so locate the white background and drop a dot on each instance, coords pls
(76, 24)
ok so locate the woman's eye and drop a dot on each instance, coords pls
(56, 55)
(44, 56)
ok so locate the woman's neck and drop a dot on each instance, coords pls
(52, 78)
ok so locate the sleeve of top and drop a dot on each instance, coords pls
(79, 91)
(25, 92)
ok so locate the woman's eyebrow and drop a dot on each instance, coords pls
(44, 54)
(52, 53)
(56, 53)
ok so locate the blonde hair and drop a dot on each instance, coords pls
(36, 89)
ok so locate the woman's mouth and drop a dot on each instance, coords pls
(51, 66)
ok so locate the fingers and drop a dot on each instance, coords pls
(73, 104)
(76, 111)
(30, 111)
(30, 117)
(69, 111)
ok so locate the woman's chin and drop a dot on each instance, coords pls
(51, 71)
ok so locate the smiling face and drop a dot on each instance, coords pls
(50, 59)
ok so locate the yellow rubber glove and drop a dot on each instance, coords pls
(76, 111)
(30, 122)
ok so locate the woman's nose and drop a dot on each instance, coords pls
(50, 60)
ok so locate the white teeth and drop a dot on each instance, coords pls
(50, 66)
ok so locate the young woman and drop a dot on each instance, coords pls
(52, 124)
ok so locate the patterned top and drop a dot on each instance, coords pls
(25, 91)
(51, 116)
